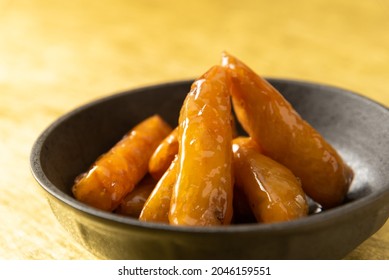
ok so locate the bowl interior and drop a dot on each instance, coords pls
(357, 127)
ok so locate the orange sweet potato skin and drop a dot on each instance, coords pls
(133, 203)
(156, 209)
(115, 173)
(285, 137)
(273, 192)
(164, 155)
(202, 195)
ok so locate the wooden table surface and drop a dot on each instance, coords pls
(57, 55)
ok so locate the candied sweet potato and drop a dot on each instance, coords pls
(115, 173)
(272, 190)
(133, 203)
(164, 155)
(156, 209)
(285, 137)
(202, 195)
(167, 150)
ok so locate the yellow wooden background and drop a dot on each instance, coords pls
(57, 55)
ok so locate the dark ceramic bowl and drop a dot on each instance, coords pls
(356, 126)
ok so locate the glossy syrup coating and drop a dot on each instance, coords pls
(133, 203)
(285, 137)
(202, 195)
(272, 190)
(164, 155)
(167, 150)
(115, 173)
(157, 206)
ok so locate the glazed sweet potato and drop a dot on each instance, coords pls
(167, 150)
(115, 173)
(164, 155)
(133, 203)
(202, 195)
(157, 206)
(285, 137)
(272, 190)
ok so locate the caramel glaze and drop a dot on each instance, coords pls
(272, 190)
(202, 194)
(115, 173)
(164, 155)
(285, 137)
(157, 206)
(133, 203)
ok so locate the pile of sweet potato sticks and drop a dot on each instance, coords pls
(202, 173)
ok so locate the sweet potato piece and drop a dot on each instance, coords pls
(164, 155)
(273, 191)
(157, 206)
(115, 173)
(285, 137)
(202, 195)
(133, 203)
(167, 150)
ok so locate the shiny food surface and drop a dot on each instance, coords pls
(116, 173)
(274, 193)
(57, 55)
(284, 136)
(202, 194)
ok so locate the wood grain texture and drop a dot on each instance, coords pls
(56, 55)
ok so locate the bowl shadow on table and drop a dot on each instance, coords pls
(354, 125)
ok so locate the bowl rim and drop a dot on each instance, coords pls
(318, 221)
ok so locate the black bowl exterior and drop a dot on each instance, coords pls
(356, 126)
